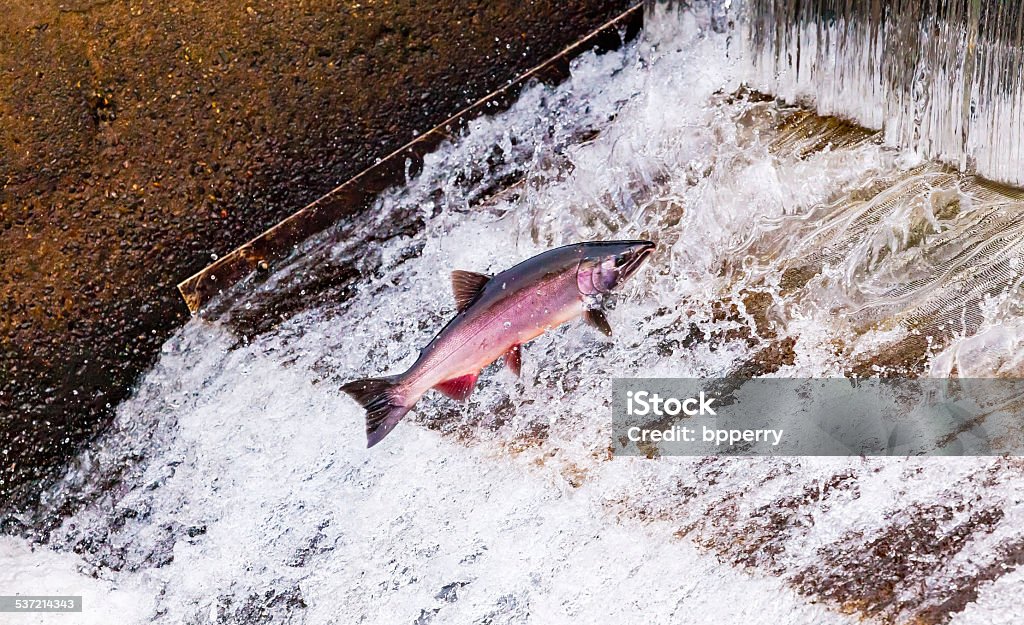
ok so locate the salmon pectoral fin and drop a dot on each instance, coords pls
(383, 402)
(595, 317)
(459, 388)
(514, 359)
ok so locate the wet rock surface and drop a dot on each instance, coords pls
(140, 139)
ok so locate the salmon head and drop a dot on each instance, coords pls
(605, 265)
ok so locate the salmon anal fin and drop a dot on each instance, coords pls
(459, 388)
(466, 285)
(514, 359)
(595, 317)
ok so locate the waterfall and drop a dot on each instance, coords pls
(942, 77)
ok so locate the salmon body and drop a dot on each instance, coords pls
(496, 315)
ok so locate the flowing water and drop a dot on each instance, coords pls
(234, 487)
(941, 76)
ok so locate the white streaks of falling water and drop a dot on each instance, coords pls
(941, 77)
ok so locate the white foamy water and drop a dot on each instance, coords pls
(234, 487)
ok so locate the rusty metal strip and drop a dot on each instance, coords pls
(358, 192)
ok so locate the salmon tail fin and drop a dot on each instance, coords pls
(384, 403)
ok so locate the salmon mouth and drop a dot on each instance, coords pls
(634, 259)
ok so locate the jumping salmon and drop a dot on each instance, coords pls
(496, 315)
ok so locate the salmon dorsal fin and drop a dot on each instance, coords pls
(595, 317)
(466, 285)
(459, 388)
